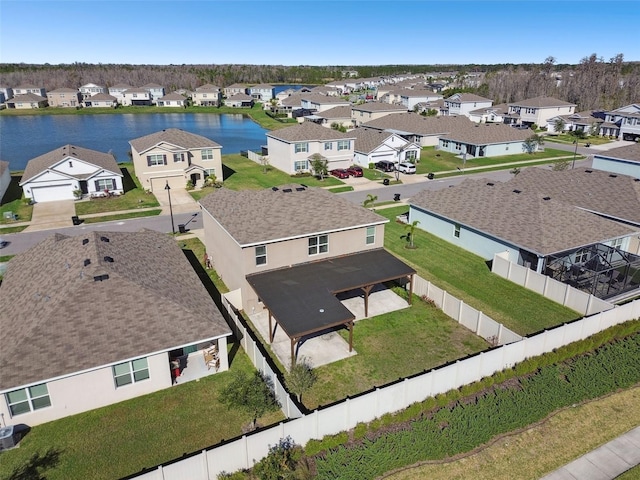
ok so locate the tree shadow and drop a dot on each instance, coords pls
(128, 183)
(36, 467)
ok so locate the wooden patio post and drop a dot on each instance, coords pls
(410, 288)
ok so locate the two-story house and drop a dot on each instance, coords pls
(90, 89)
(320, 103)
(27, 89)
(291, 149)
(64, 98)
(156, 91)
(174, 157)
(118, 91)
(136, 97)
(207, 96)
(6, 93)
(539, 109)
(463, 103)
(234, 89)
(623, 123)
(262, 93)
(368, 111)
(492, 114)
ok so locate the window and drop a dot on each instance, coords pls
(29, 399)
(105, 184)
(302, 147)
(445, 143)
(130, 372)
(328, 146)
(371, 235)
(301, 166)
(178, 157)
(207, 154)
(209, 172)
(261, 255)
(319, 244)
(617, 243)
(411, 155)
(343, 145)
(157, 159)
(456, 230)
(582, 256)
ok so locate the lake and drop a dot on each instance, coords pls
(25, 137)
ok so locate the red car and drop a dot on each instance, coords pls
(340, 173)
(355, 171)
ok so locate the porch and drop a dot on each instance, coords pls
(197, 361)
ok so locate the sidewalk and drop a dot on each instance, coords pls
(603, 463)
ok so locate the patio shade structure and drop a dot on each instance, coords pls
(302, 298)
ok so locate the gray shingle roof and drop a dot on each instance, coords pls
(102, 97)
(628, 152)
(308, 131)
(62, 320)
(253, 217)
(368, 139)
(341, 111)
(43, 162)
(27, 97)
(541, 102)
(486, 133)
(242, 97)
(174, 136)
(64, 90)
(467, 97)
(173, 96)
(379, 107)
(417, 124)
(529, 219)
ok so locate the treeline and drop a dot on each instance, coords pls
(593, 84)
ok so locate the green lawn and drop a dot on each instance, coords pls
(569, 139)
(14, 202)
(123, 216)
(133, 198)
(121, 439)
(467, 276)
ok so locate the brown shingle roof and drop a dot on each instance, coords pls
(379, 107)
(64, 90)
(253, 217)
(43, 162)
(307, 131)
(174, 136)
(102, 97)
(486, 133)
(62, 320)
(27, 97)
(541, 102)
(368, 139)
(628, 152)
(341, 111)
(467, 97)
(417, 124)
(173, 96)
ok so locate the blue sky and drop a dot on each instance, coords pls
(316, 32)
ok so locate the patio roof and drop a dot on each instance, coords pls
(302, 298)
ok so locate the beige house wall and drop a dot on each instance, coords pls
(283, 156)
(66, 99)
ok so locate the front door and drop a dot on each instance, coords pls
(194, 178)
(83, 187)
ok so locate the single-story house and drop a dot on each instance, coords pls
(291, 148)
(172, 100)
(5, 178)
(64, 97)
(485, 140)
(101, 100)
(70, 171)
(623, 160)
(337, 115)
(174, 156)
(588, 122)
(492, 114)
(26, 101)
(368, 111)
(372, 146)
(291, 249)
(99, 318)
(425, 131)
(239, 100)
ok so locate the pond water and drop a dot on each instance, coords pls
(25, 137)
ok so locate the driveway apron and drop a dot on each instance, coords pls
(48, 215)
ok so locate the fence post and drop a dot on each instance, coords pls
(479, 322)
(567, 291)
(500, 329)
(460, 305)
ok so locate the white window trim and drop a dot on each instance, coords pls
(28, 400)
(132, 372)
(319, 247)
(260, 255)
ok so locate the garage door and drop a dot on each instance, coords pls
(51, 194)
(158, 184)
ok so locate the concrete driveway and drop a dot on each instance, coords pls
(48, 215)
(181, 201)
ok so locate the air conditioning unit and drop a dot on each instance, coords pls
(7, 438)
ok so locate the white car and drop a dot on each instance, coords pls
(406, 167)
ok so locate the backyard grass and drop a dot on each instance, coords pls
(14, 202)
(134, 197)
(124, 438)
(467, 277)
(544, 447)
(16, 229)
(122, 216)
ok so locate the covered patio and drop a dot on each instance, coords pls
(303, 299)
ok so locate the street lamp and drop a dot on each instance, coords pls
(575, 152)
(168, 189)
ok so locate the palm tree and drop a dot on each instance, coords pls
(411, 228)
(369, 201)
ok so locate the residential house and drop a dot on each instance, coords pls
(155, 91)
(60, 173)
(98, 318)
(234, 89)
(172, 100)
(291, 149)
(239, 100)
(207, 96)
(537, 217)
(320, 103)
(485, 140)
(425, 131)
(253, 231)
(372, 146)
(138, 97)
(411, 98)
(6, 93)
(173, 157)
(588, 122)
(27, 101)
(262, 93)
(492, 114)
(5, 178)
(64, 98)
(101, 100)
(539, 109)
(118, 91)
(623, 123)
(368, 111)
(334, 116)
(89, 90)
(27, 89)
(622, 160)
(463, 103)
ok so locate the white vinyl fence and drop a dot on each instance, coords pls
(244, 451)
(256, 157)
(554, 290)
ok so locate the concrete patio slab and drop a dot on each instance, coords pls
(48, 215)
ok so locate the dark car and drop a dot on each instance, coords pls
(340, 173)
(355, 171)
(386, 166)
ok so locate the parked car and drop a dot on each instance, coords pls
(340, 173)
(355, 171)
(3, 243)
(406, 167)
(386, 166)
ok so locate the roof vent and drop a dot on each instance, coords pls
(588, 171)
(546, 198)
(275, 189)
(303, 185)
(490, 184)
(287, 190)
(517, 191)
(613, 176)
(108, 259)
(85, 241)
(300, 189)
(100, 278)
(104, 239)
(87, 261)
